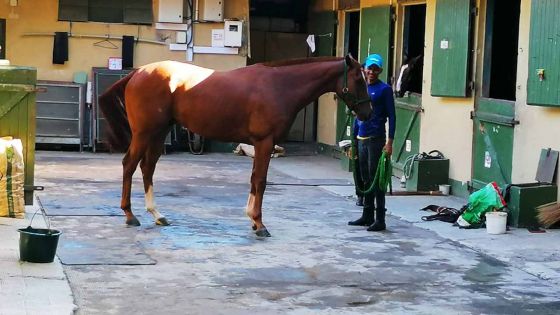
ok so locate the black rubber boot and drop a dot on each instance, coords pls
(360, 201)
(366, 219)
(379, 224)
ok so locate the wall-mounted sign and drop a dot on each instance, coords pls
(115, 63)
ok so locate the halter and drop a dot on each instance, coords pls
(346, 93)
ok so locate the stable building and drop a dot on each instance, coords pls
(487, 95)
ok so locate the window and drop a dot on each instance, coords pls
(500, 55)
(107, 11)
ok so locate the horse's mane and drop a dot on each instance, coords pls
(297, 61)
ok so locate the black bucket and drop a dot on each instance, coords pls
(38, 245)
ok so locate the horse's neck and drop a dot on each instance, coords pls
(306, 82)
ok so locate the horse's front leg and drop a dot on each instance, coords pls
(261, 161)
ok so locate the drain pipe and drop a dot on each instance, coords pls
(190, 33)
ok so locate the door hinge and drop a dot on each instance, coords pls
(474, 11)
(472, 86)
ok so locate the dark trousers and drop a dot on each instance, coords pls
(369, 153)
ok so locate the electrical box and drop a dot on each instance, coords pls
(233, 31)
(211, 10)
(181, 37)
(170, 11)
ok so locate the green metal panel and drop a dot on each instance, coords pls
(451, 48)
(323, 23)
(407, 133)
(73, 10)
(493, 142)
(375, 32)
(544, 49)
(17, 115)
(137, 12)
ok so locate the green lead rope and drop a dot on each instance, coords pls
(383, 173)
(382, 178)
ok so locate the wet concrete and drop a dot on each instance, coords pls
(209, 261)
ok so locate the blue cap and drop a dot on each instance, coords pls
(374, 59)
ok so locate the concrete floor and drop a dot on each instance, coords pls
(209, 261)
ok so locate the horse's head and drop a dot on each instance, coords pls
(407, 75)
(352, 89)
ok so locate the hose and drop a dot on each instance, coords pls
(407, 168)
(192, 141)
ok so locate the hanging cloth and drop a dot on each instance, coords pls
(127, 52)
(60, 48)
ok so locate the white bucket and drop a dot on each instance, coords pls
(496, 222)
(444, 189)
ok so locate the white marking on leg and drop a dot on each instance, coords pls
(399, 81)
(150, 205)
(250, 205)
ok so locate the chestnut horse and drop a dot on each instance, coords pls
(254, 105)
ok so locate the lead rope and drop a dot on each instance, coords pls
(383, 173)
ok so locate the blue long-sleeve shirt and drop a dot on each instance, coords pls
(383, 109)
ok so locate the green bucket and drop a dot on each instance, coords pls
(38, 245)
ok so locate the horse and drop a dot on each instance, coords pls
(410, 76)
(256, 105)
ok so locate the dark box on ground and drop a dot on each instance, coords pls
(524, 198)
(428, 174)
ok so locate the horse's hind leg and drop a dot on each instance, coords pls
(148, 166)
(261, 161)
(130, 161)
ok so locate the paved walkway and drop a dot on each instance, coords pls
(27, 288)
(535, 253)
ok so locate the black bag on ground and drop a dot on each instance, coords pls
(444, 214)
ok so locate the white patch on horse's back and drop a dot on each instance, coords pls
(186, 76)
(399, 81)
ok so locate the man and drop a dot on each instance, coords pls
(372, 140)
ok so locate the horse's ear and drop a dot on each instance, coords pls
(415, 60)
(349, 59)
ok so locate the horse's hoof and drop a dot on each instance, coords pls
(262, 232)
(162, 221)
(254, 227)
(133, 222)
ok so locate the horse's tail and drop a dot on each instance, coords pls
(112, 105)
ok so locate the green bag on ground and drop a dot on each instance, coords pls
(12, 178)
(481, 201)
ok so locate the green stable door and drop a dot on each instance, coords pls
(493, 123)
(375, 37)
(17, 115)
(407, 133)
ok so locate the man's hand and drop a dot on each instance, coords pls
(389, 147)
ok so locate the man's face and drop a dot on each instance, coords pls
(372, 73)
